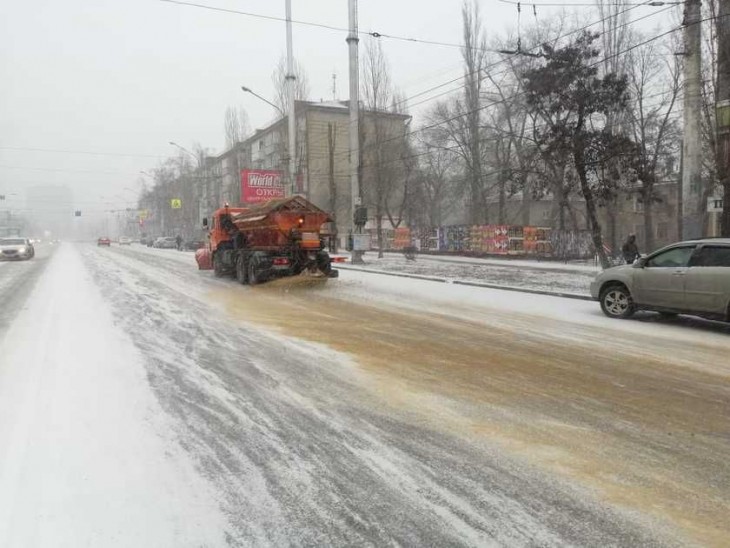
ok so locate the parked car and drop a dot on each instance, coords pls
(104, 241)
(125, 241)
(167, 242)
(19, 249)
(691, 277)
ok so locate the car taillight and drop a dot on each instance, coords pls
(281, 261)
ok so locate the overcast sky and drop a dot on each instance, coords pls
(122, 78)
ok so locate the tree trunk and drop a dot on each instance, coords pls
(585, 188)
(502, 200)
(562, 205)
(649, 218)
(611, 207)
(379, 229)
(526, 204)
(725, 225)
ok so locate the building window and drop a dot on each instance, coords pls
(638, 205)
(261, 145)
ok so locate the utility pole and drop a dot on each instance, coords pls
(291, 82)
(692, 209)
(352, 42)
(722, 107)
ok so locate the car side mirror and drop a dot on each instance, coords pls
(640, 262)
(205, 222)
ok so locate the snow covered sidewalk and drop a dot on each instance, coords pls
(552, 278)
(86, 458)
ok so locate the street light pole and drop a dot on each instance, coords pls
(264, 99)
(352, 42)
(291, 82)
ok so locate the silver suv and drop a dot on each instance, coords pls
(690, 277)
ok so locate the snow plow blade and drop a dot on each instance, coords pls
(202, 257)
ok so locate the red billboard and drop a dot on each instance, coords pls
(259, 185)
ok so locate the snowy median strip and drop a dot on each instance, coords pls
(468, 283)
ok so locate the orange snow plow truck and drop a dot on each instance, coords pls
(270, 240)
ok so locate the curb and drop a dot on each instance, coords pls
(471, 284)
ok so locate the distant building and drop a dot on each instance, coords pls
(322, 158)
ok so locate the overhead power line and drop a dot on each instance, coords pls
(518, 94)
(88, 152)
(593, 5)
(516, 54)
(70, 170)
(372, 34)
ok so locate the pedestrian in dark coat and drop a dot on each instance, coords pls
(630, 250)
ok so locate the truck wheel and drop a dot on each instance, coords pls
(253, 278)
(217, 266)
(324, 263)
(241, 270)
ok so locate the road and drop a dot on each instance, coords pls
(143, 402)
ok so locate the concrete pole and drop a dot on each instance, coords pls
(291, 83)
(353, 42)
(692, 143)
(722, 107)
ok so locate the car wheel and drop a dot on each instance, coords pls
(616, 302)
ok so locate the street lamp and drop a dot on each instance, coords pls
(173, 143)
(264, 99)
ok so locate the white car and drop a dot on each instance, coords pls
(125, 241)
(17, 249)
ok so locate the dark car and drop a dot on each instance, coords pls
(104, 241)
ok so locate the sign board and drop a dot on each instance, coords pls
(260, 185)
(176, 203)
(143, 214)
(361, 242)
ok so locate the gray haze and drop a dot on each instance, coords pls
(124, 78)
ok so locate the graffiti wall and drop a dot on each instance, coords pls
(485, 240)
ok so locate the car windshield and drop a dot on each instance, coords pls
(416, 289)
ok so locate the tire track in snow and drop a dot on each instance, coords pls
(303, 455)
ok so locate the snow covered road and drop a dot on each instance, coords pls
(160, 406)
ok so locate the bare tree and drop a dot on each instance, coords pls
(655, 84)
(382, 165)
(436, 189)
(301, 84)
(474, 56)
(236, 126)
